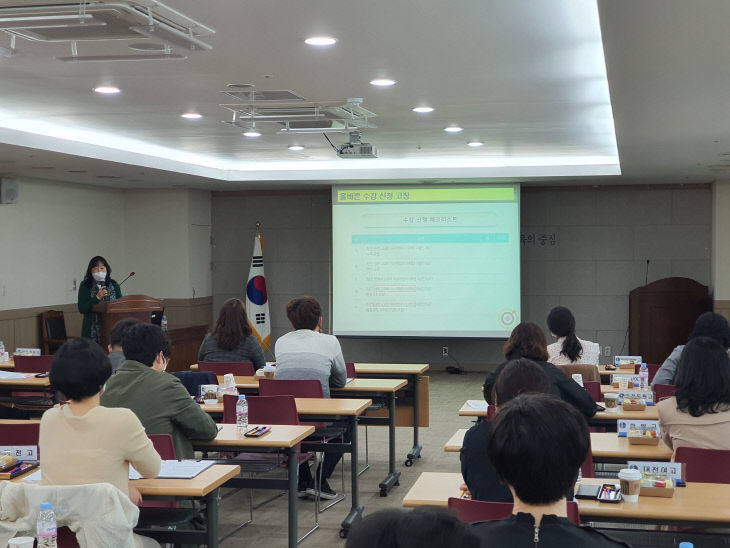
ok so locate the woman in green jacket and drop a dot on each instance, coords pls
(97, 286)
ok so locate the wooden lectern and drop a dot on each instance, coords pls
(662, 315)
(139, 307)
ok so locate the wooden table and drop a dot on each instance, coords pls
(697, 504)
(28, 384)
(329, 409)
(650, 413)
(610, 389)
(281, 438)
(605, 447)
(205, 486)
(468, 411)
(413, 373)
(382, 390)
(7, 366)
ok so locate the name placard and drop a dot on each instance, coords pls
(625, 360)
(648, 397)
(28, 351)
(675, 470)
(20, 452)
(623, 426)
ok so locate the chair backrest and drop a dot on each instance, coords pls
(663, 391)
(286, 387)
(267, 409)
(20, 434)
(587, 470)
(491, 411)
(705, 465)
(350, 370)
(193, 379)
(594, 389)
(33, 364)
(163, 445)
(53, 330)
(479, 510)
(589, 371)
(239, 369)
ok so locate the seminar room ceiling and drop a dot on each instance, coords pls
(527, 79)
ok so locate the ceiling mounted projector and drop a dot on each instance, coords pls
(356, 149)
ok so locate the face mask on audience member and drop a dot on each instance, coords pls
(99, 276)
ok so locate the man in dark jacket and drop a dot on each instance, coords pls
(537, 446)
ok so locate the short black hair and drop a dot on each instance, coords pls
(521, 376)
(142, 342)
(79, 369)
(304, 312)
(117, 333)
(713, 325)
(537, 446)
(419, 528)
(703, 377)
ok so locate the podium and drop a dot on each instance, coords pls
(139, 307)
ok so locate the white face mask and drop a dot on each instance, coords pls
(99, 276)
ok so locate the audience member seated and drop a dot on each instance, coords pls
(420, 528)
(708, 324)
(83, 442)
(231, 339)
(528, 341)
(537, 446)
(306, 353)
(517, 377)
(116, 356)
(569, 349)
(159, 400)
(698, 415)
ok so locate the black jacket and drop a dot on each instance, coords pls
(563, 386)
(518, 531)
(476, 468)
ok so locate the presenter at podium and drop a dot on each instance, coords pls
(97, 286)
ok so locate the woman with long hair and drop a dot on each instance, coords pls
(698, 415)
(97, 286)
(528, 341)
(569, 349)
(232, 339)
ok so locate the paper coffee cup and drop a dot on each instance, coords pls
(209, 393)
(269, 371)
(21, 542)
(611, 401)
(630, 484)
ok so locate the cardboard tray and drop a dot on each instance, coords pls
(634, 406)
(641, 440)
(627, 366)
(666, 492)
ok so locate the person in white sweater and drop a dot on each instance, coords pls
(569, 349)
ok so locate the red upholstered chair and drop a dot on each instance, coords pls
(21, 433)
(491, 411)
(32, 364)
(653, 368)
(350, 370)
(587, 469)
(594, 389)
(239, 369)
(705, 465)
(479, 510)
(663, 391)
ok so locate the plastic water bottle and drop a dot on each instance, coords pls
(242, 413)
(644, 377)
(163, 323)
(46, 527)
(2, 347)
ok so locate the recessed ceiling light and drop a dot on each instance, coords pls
(107, 90)
(192, 116)
(253, 132)
(296, 148)
(382, 82)
(320, 41)
(475, 143)
(423, 110)
(453, 129)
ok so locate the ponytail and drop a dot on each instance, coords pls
(572, 347)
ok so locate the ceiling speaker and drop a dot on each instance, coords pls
(8, 190)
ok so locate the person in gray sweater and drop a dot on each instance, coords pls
(116, 355)
(232, 339)
(708, 324)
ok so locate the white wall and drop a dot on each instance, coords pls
(48, 237)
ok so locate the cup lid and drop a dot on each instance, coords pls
(629, 474)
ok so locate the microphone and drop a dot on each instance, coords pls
(646, 276)
(125, 279)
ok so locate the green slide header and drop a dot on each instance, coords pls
(425, 195)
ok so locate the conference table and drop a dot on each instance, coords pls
(696, 505)
(205, 486)
(610, 389)
(606, 447)
(378, 390)
(601, 418)
(413, 373)
(329, 409)
(282, 439)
